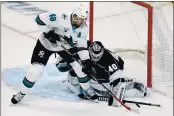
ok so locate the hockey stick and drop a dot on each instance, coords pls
(142, 103)
(104, 98)
(127, 107)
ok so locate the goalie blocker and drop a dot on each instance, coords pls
(109, 71)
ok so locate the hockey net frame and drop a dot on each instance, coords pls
(149, 37)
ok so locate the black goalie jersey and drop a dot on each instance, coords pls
(106, 66)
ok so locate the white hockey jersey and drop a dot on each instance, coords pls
(61, 24)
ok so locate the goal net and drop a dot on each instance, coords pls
(141, 34)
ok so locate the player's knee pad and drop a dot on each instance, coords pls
(63, 66)
(33, 74)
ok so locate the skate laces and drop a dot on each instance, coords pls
(19, 96)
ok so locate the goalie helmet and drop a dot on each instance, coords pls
(80, 12)
(96, 50)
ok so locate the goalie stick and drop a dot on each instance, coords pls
(123, 104)
(104, 98)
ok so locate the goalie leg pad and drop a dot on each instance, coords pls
(136, 89)
(119, 91)
(141, 88)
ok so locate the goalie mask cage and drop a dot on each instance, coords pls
(138, 30)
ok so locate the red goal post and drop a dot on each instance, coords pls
(149, 39)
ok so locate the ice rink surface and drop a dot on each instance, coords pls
(18, 38)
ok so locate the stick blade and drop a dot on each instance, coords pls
(160, 106)
(135, 110)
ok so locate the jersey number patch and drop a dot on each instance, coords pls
(52, 17)
(112, 67)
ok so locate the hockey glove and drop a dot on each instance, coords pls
(52, 36)
(69, 40)
(87, 66)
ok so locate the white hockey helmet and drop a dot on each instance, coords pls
(81, 12)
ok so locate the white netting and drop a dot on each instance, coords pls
(125, 25)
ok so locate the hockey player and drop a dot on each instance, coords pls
(108, 70)
(69, 30)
